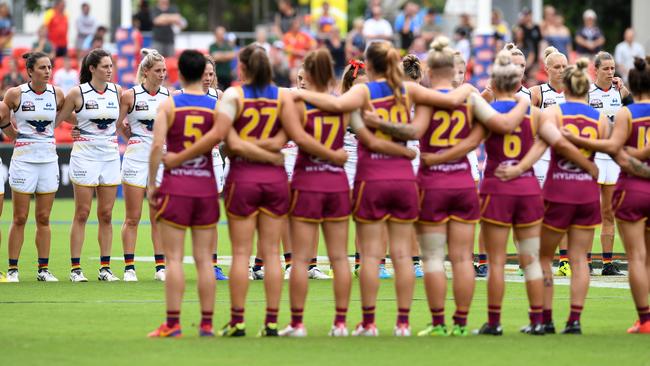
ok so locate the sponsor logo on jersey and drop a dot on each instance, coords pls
(549, 102)
(199, 162)
(141, 106)
(91, 104)
(568, 166)
(596, 103)
(111, 105)
(28, 106)
(48, 107)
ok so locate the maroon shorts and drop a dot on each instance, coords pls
(244, 199)
(507, 210)
(438, 206)
(320, 206)
(631, 206)
(561, 216)
(395, 200)
(184, 211)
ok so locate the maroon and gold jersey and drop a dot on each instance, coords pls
(638, 138)
(447, 128)
(259, 119)
(312, 173)
(193, 117)
(508, 150)
(565, 181)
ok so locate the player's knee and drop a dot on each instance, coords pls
(81, 214)
(43, 219)
(19, 220)
(104, 216)
(530, 248)
(131, 222)
(432, 246)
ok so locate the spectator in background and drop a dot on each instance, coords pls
(419, 48)
(548, 16)
(12, 78)
(284, 17)
(144, 16)
(42, 43)
(165, 16)
(430, 28)
(408, 23)
(262, 39)
(297, 43)
(86, 26)
(466, 25)
(222, 53)
(336, 46)
(87, 44)
(531, 37)
(377, 28)
(625, 53)
(66, 78)
(501, 28)
(326, 22)
(355, 42)
(589, 38)
(558, 35)
(371, 4)
(56, 22)
(280, 65)
(462, 44)
(6, 29)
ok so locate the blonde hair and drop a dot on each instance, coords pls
(385, 60)
(149, 58)
(575, 78)
(514, 51)
(505, 75)
(440, 56)
(551, 52)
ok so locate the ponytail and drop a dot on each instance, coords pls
(93, 58)
(318, 64)
(258, 67)
(355, 69)
(575, 78)
(385, 60)
(639, 76)
(412, 67)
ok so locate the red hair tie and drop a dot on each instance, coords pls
(357, 65)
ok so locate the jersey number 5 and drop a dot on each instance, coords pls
(191, 129)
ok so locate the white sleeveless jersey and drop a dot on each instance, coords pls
(141, 118)
(35, 118)
(549, 98)
(96, 121)
(607, 102)
(524, 93)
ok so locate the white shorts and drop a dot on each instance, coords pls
(90, 173)
(473, 163)
(136, 173)
(217, 165)
(608, 171)
(415, 146)
(290, 156)
(30, 178)
(3, 177)
(541, 169)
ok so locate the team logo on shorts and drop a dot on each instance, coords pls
(568, 166)
(91, 104)
(28, 106)
(39, 125)
(596, 103)
(141, 106)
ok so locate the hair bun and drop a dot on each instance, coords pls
(148, 51)
(509, 46)
(549, 51)
(410, 60)
(503, 58)
(640, 64)
(582, 63)
(440, 43)
(26, 55)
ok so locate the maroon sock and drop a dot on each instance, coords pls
(271, 316)
(644, 314)
(438, 316)
(341, 314)
(576, 311)
(236, 316)
(206, 318)
(296, 316)
(535, 314)
(368, 315)
(547, 315)
(460, 318)
(173, 318)
(494, 315)
(403, 316)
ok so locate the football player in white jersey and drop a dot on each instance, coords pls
(606, 96)
(543, 96)
(139, 105)
(34, 168)
(8, 130)
(95, 160)
(220, 165)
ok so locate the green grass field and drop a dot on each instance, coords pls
(65, 323)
